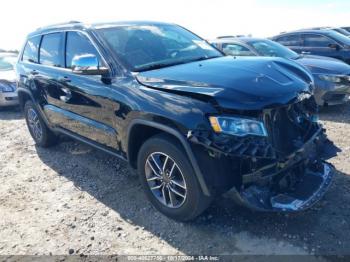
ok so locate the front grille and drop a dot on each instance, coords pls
(288, 127)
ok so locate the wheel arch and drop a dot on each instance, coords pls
(140, 130)
(23, 97)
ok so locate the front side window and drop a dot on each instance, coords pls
(77, 45)
(145, 47)
(236, 50)
(51, 50)
(290, 40)
(30, 53)
(317, 41)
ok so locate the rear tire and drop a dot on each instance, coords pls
(39, 131)
(168, 179)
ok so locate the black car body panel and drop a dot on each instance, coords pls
(245, 84)
(116, 111)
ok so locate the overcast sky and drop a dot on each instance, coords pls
(207, 18)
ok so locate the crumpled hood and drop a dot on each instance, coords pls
(244, 84)
(8, 75)
(324, 65)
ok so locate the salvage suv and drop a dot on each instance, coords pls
(193, 122)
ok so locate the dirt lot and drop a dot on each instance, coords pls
(71, 199)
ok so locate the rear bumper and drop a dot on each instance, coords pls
(8, 98)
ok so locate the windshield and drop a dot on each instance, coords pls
(7, 62)
(145, 47)
(270, 48)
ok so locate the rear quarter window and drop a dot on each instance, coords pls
(30, 53)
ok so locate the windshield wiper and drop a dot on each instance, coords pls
(162, 65)
(157, 66)
(202, 58)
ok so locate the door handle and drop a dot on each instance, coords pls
(305, 52)
(64, 79)
(34, 72)
(67, 96)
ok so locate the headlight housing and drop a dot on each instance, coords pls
(6, 87)
(335, 78)
(237, 126)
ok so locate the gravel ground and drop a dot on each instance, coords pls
(72, 199)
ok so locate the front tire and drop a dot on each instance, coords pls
(168, 179)
(39, 131)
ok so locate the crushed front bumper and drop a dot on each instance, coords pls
(291, 184)
(309, 190)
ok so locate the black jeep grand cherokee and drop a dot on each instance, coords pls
(193, 122)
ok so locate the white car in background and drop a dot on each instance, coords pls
(8, 89)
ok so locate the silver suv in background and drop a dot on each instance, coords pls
(8, 90)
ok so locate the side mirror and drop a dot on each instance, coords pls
(87, 65)
(334, 46)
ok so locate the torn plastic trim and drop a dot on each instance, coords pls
(307, 150)
(262, 199)
(246, 147)
(249, 146)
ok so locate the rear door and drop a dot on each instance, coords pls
(40, 67)
(49, 69)
(316, 44)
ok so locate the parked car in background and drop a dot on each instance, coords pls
(331, 76)
(193, 122)
(323, 42)
(341, 31)
(336, 29)
(8, 89)
(347, 28)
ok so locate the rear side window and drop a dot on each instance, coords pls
(30, 53)
(51, 50)
(290, 40)
(317, 41)
(78, 44)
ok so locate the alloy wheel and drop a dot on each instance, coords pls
(34, 124)
(165, 180)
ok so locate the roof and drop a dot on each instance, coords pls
(80, 25)
(314, 31)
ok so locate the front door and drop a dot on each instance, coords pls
(79, 105)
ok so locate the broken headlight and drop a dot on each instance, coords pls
(237, 126)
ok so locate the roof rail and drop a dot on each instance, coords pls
(226, 36)
(59, 24)
(233, 36)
